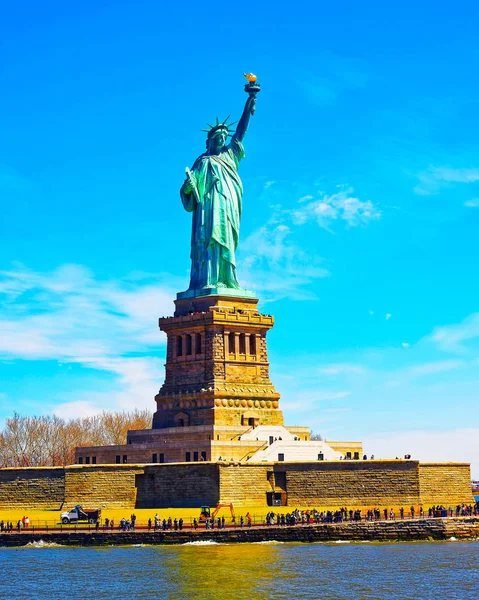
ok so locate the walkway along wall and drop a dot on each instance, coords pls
(380, 531)
(320, 484)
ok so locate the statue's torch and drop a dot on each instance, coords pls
(252, 87)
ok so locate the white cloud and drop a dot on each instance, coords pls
(341, 369)
(405, 344)
(388, 316)
(432, 368)
(433, 179)
(69, 316)
(138, 380)
(272, 263)
(452, 338)
(456, 445)
(322, 395)
(76, 409)
(341, 206)
(474, 203)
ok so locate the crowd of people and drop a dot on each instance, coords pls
(309, 517)
(7, 526)
(165, 524)
(295, 517)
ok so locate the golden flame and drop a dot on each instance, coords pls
(251, 77)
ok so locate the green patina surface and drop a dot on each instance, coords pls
(213, 192)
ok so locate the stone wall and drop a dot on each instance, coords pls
(352, 483)
(448, 484)
(102, 486)
(182, 485)
(322, 484)
(42, 488)
(244, 484)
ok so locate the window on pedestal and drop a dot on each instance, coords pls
(188, 456)
(188, 345)
(195, 456)
(203, 455)
(80, 460)
(154, 458)
(179, 345)
(198, 343)
(242, 343)
(231, 342)
(252, 344)
(87, 460)
(181, 420)
(162, 457)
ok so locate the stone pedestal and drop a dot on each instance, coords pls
(217, 369)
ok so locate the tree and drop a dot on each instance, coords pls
(51, 441)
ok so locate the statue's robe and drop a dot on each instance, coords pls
(216, 217)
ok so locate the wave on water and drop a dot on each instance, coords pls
(342, 542)
(271, 542)
(42, 544)
(201, 543)
(452, 539)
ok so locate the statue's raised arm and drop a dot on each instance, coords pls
(213, 192)
(252, 88)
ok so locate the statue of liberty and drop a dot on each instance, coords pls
(213, 192)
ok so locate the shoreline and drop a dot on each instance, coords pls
(460, 528)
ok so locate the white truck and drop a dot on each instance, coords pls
(81, 514)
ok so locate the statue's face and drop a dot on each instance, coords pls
(219, 139)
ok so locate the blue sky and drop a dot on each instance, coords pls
(360, 220)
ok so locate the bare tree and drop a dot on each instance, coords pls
(50, 441)
(316, 437)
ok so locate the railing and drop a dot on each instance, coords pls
(243, 433)
(312, 516)
(256, 521)
(262, 447)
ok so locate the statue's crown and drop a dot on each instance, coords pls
(224, 125)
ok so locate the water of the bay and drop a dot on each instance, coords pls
(237, 571)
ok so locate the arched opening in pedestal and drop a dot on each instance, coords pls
(250, 419)
(181, 420)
